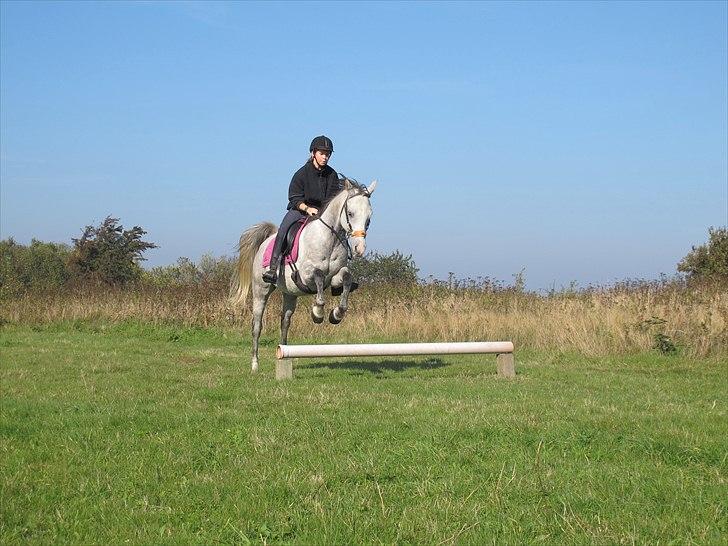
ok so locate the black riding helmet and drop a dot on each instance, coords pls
(322, 143)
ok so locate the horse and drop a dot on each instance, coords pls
(323, 255)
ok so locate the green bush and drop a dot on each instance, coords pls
(708, 262)
(108, 253)
(183, 273)
(217, 271)
(209, 270)
(394, 268)
(40, 266)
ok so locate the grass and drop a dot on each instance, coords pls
(618, 320)
(127, 432)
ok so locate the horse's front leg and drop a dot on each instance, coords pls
(317, 311)
(342, 278)
(289, 306)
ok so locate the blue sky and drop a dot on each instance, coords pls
(581, 141)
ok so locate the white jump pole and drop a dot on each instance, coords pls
(504, 350)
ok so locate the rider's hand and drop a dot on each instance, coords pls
(312, 211)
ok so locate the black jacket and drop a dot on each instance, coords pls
(313, 187)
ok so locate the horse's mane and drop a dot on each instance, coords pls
(359, 188)
(356, 187)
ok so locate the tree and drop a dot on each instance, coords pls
(394, 268)
(108, 253)
(708, 261)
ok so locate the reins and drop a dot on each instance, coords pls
(344, 241)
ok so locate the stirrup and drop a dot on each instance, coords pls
(270, 276)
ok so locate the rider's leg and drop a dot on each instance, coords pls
(291, 217)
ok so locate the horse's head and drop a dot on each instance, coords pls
(356, 213)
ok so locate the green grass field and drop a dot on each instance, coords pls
(130, 433)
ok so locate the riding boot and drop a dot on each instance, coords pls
(291, 217)
(271, 276)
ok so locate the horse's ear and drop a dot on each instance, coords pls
(370, 188)
(345, 183)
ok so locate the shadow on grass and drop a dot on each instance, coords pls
(378, 366)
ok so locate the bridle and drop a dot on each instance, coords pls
(349, 232)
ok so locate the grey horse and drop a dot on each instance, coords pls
(323, 256)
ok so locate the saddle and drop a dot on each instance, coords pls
(290, 244)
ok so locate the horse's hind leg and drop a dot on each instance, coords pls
(289, 306)
(260, 298)
(337, 313)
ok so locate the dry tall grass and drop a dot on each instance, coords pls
(614, 320)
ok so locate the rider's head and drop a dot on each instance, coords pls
(321, 149)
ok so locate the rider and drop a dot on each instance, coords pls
(311, 189)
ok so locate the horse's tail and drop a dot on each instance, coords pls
(250, 242)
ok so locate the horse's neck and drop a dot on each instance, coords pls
(319, 237)
(332, 214)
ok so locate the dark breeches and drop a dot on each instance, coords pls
(291, 217)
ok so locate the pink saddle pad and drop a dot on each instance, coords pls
(292, 256)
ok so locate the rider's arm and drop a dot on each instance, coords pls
(296, 194)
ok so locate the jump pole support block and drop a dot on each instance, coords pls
(504, 350)
(284, 368)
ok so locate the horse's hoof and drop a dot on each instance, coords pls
(317, 320)
(332, 317)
